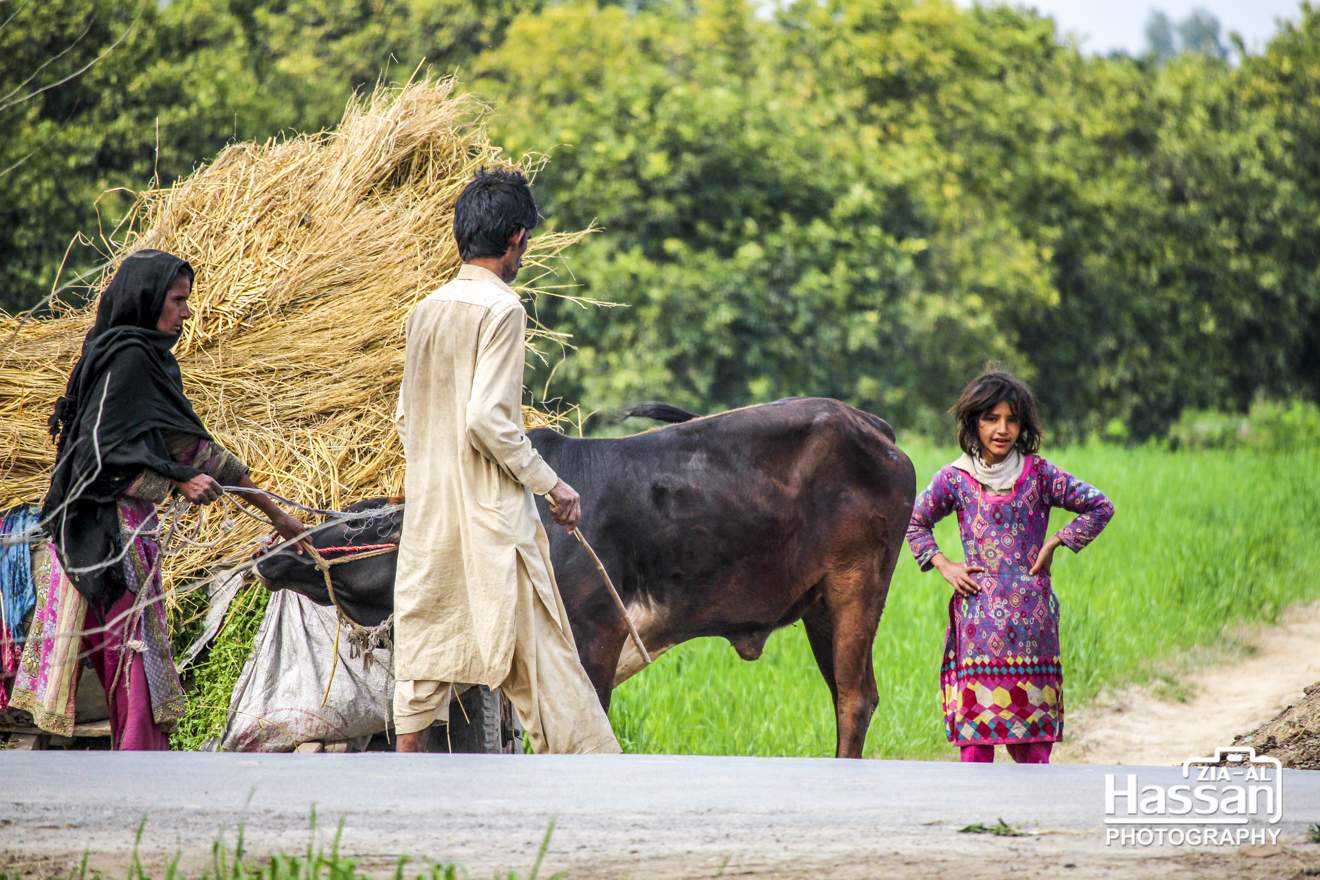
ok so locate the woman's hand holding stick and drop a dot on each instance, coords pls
(202, 489)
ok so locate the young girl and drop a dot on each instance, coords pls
(1001, 681)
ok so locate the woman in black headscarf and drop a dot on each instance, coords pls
(126, 439)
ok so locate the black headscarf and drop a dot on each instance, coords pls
(125, 393)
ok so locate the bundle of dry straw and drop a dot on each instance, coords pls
(309, 253)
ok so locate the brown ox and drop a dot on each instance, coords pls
(730, 525)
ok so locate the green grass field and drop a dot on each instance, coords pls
(1200, 541)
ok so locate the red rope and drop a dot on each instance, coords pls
(354, 549)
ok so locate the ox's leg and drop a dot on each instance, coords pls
(854, 596)
(599, 654)
(820, 635)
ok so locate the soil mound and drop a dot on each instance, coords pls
(1292, 736)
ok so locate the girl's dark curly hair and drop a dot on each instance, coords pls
(984, 393)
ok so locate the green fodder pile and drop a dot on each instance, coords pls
(309, 252)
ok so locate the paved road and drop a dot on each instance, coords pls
(615, 816)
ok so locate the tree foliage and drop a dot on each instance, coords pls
(1199, 31)
(864, 199)
(136, 91)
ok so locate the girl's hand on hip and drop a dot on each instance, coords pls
(201, 489)
(1046, 557)
(959, 576)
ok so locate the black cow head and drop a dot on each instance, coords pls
(363, 588)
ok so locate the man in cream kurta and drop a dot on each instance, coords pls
(475, 598)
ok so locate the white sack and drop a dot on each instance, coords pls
(276, 704)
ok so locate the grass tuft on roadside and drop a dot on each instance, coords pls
(316, 862)
(999, 829)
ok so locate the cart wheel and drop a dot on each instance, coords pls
(511, 730)
(475, 728)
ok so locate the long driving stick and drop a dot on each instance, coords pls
(609, 585)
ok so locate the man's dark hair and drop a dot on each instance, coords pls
(984, 393)
(490, 211)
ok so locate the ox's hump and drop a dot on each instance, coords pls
(824, 411)
(808, 411)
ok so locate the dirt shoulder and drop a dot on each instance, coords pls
(1265, 670)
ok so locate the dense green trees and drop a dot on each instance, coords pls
(863, 199)
(1198, 32)
(99, 94)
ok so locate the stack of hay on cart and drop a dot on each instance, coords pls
(309, 252)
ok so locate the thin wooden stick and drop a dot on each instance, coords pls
(614, 594)
(334, 658)
(609, 585)
(4, 626)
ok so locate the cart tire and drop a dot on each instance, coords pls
(479, 725)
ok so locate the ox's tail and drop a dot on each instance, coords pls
(660, 412)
